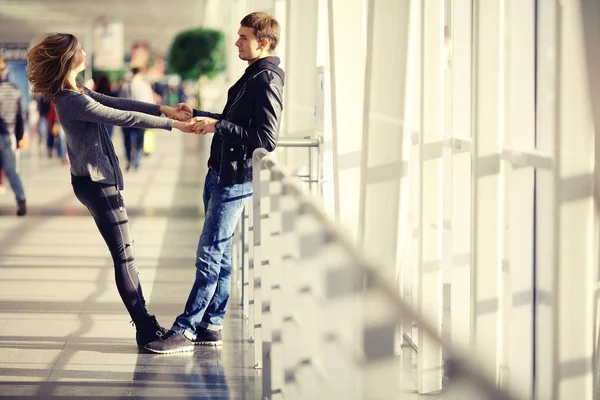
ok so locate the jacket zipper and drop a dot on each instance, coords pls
(243, 91)
(237, 98)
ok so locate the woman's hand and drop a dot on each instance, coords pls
(204, 125)
(175, 113)
(184, 126)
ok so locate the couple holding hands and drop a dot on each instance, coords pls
(250, 120)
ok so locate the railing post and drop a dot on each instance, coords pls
(243, 242)
(249, 265)
(291, 334)
(271, 281)
(258, 257)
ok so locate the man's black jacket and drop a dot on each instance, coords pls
(250, 120)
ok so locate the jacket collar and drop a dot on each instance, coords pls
(269, 62)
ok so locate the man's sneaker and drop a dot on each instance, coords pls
(172, 342)
(150, 332)
(206, 337)
(21, 208)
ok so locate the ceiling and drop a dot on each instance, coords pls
(154, 21)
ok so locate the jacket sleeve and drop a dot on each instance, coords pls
(200, 113)
(83, 108)
(268, 105)
(125, 104)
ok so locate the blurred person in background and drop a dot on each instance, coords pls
(174, 92)
(52, 68)
(56, 137)
(43, 111)
(12, 128)
(250, 120)
(133, 137)
(104, 86)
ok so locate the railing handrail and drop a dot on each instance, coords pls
(297, 142)
(458, 364)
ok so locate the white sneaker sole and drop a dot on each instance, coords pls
(217, 343)
(182, 349)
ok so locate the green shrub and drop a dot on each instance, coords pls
(196, 53)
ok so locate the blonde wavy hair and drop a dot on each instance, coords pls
(49, 64)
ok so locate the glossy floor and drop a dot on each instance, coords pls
(64, 332)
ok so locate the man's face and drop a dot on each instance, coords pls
(249, 47)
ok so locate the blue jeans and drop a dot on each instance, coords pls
(207, 302)
(59, 141)
(62, 143)
(43, 127)
(8, 143)
(109, 128)
(133, 140)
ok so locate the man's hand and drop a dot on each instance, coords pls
(186, 108)
(176, 114)
(204, 125)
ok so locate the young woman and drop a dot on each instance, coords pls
(52, 67)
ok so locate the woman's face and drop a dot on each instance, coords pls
(78, 64)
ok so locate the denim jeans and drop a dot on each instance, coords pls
(105, 203)
(207, 302)
(8, 143)
(109, 128)
(133, 140)
(43, 127)
(62, 143)
(59, 142)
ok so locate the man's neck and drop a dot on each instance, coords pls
(250, 62)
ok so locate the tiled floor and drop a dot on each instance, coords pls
(64, 332)
(63, 329)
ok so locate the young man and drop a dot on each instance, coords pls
(250, 120)
(12, 128)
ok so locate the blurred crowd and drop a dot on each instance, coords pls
(45, 128)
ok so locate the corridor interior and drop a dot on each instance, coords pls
(63, 329)
(64, 332)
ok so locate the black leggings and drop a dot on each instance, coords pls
(105, 203)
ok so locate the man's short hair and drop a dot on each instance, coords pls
(265, 27)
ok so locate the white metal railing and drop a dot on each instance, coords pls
(324, 320)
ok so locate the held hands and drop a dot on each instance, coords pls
(184, 126)
(204, 125)
(186, 108)
(182, 116)
(177, 114)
